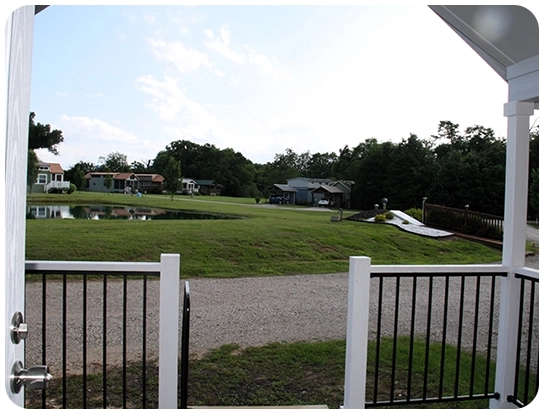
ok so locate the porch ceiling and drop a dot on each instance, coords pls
(506, 37)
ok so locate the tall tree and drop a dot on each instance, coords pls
(471, 170)
(32, 169)
(41, 136)
(320, 165)
(533, 166)
(141, 167)
(78, 179)
(85, 167)
(533, 191)
(115, 162)
(172, 176)
(108, 182)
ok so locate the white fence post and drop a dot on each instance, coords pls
(357, 332)
(169, 331)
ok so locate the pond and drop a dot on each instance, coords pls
(117, 213)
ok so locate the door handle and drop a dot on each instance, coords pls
(36, 377)
(18, 328)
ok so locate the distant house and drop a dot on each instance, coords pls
(50, 177)
(282, 190)
(188, 186)
(308, 191)
(337, 192)
(208, 187)
(124, 182)
(304, 187)
(150, 182)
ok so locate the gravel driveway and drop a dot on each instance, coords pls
(246, 311)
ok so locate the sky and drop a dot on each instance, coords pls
(254, 78)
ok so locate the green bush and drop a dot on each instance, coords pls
(405, 222)
(414, 212)
(380, 218)
(257, 200)
(389, 215)
(72, 189)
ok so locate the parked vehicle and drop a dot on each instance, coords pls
(323, 203)
(278, 200)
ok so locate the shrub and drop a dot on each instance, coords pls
(72, 189)
(405, 222)
(380, 218)
(153, 190)
(257, 200)
(414, 212)
(389, 215)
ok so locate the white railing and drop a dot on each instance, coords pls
(62, 185)
(168, 269)
(359, 310)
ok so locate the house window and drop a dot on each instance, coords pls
(42, 179)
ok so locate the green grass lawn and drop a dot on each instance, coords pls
(281, 374)
(266, 240)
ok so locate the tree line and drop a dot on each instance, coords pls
(452, 168)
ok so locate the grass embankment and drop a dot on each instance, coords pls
(292, 374)
(268, 240)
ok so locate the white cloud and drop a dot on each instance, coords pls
(221, 44)
(95, 130)
(95, 95)
(174, 107)
(86, 139)
(150, 18)
(185, 59)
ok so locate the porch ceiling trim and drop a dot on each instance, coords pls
(506, 38)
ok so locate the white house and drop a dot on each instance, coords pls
(50, 177)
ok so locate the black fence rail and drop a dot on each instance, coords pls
(184, 371)
(526, 375)
(98, 332)
(463, 221)
(432, 338)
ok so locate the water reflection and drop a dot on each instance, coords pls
(116, 213)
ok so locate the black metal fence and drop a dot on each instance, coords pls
(429, 331)
(184, 375)
(98, 333)
(526, 374)
(463, 221)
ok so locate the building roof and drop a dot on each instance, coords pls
(344, 185)
(285, 188)
(156, 178)
(328, 189)
(55, 168)
(122, 176)
(321, 180)
(205, 182)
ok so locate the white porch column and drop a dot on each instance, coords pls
(357, 332)
(513, 250)
(517, 179)
(169, 331)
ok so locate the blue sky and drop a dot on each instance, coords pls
(258, 79)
